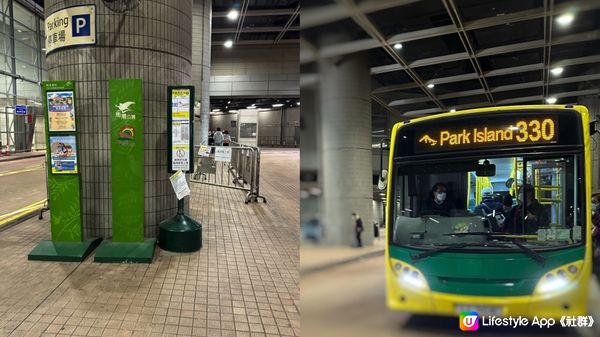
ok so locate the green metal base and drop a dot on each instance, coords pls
(66, 251)
(128, 252)
(180, 234)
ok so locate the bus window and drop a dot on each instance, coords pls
(531, 199)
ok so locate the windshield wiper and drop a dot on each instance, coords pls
(427, 253)
(530, 252)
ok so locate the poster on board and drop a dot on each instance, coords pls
(61, 111)
(180, 124)
(63, 154)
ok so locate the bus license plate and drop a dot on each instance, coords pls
(480, 309)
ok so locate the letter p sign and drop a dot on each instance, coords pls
(81, 25)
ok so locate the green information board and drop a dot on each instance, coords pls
(62, 165)
(126, 107)
(62, 155)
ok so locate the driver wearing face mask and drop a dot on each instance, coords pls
(438, 202)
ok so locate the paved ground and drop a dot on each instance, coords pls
(22, 182)
(243, 282)
(349, 301)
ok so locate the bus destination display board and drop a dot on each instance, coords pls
(486, 133)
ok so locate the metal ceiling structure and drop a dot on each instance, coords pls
(475, 52)
(258, 22)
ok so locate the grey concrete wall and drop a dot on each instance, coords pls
(152, 42)
(223, 121)
(255, 71)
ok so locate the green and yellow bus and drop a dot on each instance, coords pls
(488, 210)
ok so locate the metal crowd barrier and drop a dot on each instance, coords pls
(236, 166)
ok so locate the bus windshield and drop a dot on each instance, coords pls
(486, 203)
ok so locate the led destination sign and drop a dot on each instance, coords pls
(467, 135)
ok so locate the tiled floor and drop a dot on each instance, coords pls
(243, 282)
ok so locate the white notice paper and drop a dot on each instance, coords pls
(223, 153)
(180, 185)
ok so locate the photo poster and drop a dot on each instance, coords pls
(61, 111)
(63, 154)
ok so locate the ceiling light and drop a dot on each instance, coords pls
(278, 105)
(20, 31)
(551, 100)
(251, 107)
(216, 110)
(430, 85)
(298, 103)
(233, 14)
(230, 111)
(398, 46)
(565, 19)
(228, 44)
(452, 110)
(263, 109)
(228, 102)
(557, 71)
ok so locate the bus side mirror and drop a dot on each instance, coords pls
(486, 169)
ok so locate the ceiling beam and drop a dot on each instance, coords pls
(503, 88)
(241, 18)
(581, 5)
(322, 15)
(258, 12)
(548, 18)
(362, 20)
(288, 24)
(492, 73)
(578, 37)
(253, 29)
(466, 42)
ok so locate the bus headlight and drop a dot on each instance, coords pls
(559, 278)
(408, 275)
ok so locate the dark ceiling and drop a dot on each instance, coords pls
(475, 52)
(259, 21)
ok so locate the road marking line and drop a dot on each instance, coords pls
(6, 218)
(26, 169)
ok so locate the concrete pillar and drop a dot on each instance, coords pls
(201, 46)
(153, 42)
(593, 105)
(345, 96)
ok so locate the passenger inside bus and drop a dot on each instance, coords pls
(489, 203)
(537, 215)
(438, 202)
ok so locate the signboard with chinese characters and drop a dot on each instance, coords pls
(72, 26)
(61, 111)
(126, 108)
(181, 128)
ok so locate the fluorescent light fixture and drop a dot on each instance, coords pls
(452, 110)
(430, 85)
(557, 71)
(251, 107)
(228, 102)
(398, 46)
(228, 44)
(277, 105)
(216, 110)
(233, 14)
(230, 111)
(298, 103)
(551, 100)
(565, 19)
(263, 109)
(20, 31)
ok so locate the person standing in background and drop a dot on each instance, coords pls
(358, 228)
(218, 137)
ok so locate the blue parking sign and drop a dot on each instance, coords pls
(21, 110)
(81, 25)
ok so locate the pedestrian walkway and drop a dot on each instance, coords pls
(21, 155)
(316, 258)
(243, 282)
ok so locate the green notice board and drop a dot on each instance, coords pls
(62, 160)
(126, 105)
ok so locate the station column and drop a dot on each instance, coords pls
(345, 96)
(149, 40)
